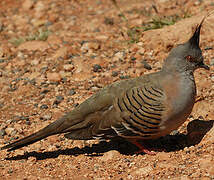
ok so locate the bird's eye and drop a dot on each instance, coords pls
(190, 58)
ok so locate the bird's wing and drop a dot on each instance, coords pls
(141, 111)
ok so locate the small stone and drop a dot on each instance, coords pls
(61, 53)
(175, 132)
(72, 92)
(10, 171)
(34, 46)
(1, 105)
(68, 67)
(27, 4)
(32, 159)
(146, 65)
(46, 117)
(76, 104)
(144, 171)
(45, 91)
(208, 48)
(97, 68)
(124, 77)
(2, 60)
(43, 106)
(10, 131)
(119, 55)
(109, 21)
(26, 118)
(94, 45)
(133, 58)
(110, 155)
(58, 100)
(2, 133)
(114, 73)
(212, 62)
(35, 62)
(54, 77)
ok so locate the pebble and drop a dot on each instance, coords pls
(120, 55)
(71, 92)
(110, 155)
(133, 58)
(208, 48)
(114, 73)
(45, 91)
(108, 21)
(46, 117)
(97, 68)
(60, 53)
(10, 131)
(27, 4)
(124, 77)
(34, 46)
(146, 65)
(58, 100)
(43, 106)
(144, 171)
(53, 77)
(212, 62)
(2, 133)
(2, 60)
(68, 67)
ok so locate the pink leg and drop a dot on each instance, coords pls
(142, 148)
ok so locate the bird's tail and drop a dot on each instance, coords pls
(53, 128)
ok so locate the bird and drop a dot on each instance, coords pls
(137, 109)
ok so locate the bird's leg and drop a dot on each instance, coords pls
(142, 148)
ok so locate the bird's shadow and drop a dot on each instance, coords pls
(196, 130)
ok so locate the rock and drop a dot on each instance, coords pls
(114, 73)
(144, 171)
(68, 67)
(34, 62)
(146, 65)
(102, 37)
(44, 106)
(27, 4)
(71, 92)
(110, 155)
(206, 162)
(46, 117)
(60, 53)
(2, 133)
(31, 159)
(163, 156)
(96, 67)
(58, 100)
(34, 45)
(119, 55)
(53, 77)
(94, 45)
(108, 21)
(10, 131)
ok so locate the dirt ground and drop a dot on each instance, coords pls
(55, 54)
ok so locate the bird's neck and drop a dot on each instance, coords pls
(181, 72)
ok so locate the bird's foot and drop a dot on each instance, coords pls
(144, 149)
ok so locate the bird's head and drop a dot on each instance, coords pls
(187, 56)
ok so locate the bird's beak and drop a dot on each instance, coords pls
(202, 65)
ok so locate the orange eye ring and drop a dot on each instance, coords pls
(189, 58)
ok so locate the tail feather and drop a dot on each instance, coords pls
(51, 129)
